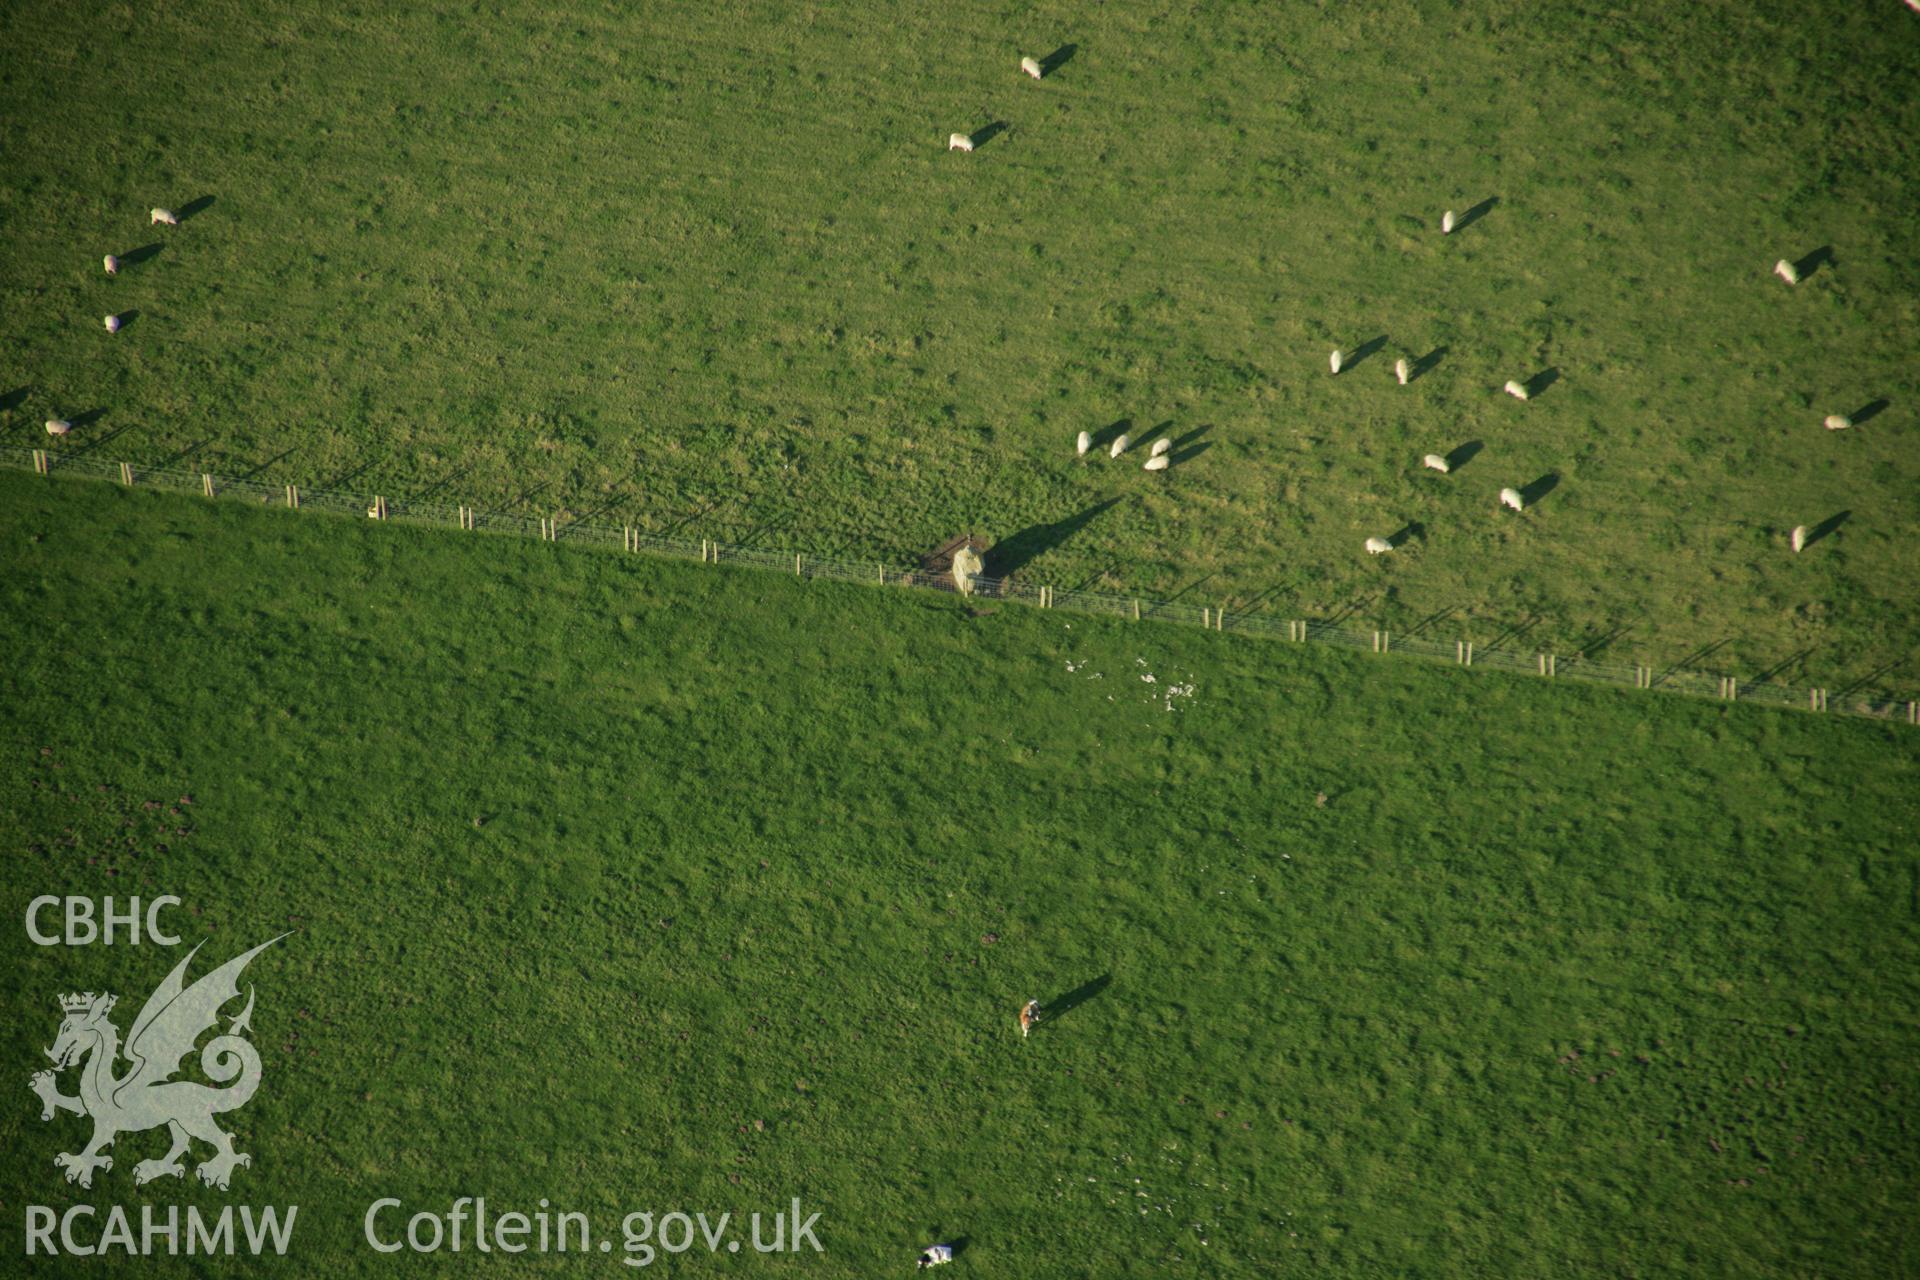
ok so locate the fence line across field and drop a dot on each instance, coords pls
(634, 540)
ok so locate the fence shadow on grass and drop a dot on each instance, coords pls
(1705, 651)
(1021, 549)
(261, 470)
(1060, 1006)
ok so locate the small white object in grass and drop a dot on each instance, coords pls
(1031, 66)
(58, 426)
(1159, 462)
(1377, 545)
(1785, 271)
(1512, 498)
(1401, 370)
(113, 324)
(1799, 536)
(1119, 446)
(1083, 442)
(165, 216)
(1434, 462)
(113, 265)
(1162, 445)
(1838, 422)
(1515, 389)
(1333, 361)
(1446, 223)
(959, 142)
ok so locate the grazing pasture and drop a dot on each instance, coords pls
(647, 885)
(715, 267)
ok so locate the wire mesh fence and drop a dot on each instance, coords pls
(1854, 700)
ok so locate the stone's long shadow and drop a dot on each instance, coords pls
(1019, 550)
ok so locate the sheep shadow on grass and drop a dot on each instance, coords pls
(1406, 533)
(1060, 1006)
(1474, 214)
(987, 133)
(1464, 454)
(1827, 528)
(1870, 411)
(1540, 381)
(1021, 549)
(134, 257)
(1058, 58)
(1540, 488)
(1362, 351)
(192, 207)
(14, 399)
(126, 319)
(1425, 364)
(1105, 436)
(1821, 257)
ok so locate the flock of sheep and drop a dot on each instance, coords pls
(161, 217)
(1159, 457)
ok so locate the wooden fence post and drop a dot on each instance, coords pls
(796, 564)
(206, 484)
(126, 473)
(293, 497)
(1220, 618)
(1136, 610)
(40, 462)
(1206, 619)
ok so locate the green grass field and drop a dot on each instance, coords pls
(710, 264)
(640, 885)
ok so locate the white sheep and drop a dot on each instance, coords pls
(959, 142)
(165, 216)
(58, 426)
(1162, 445)
(1119, 446)
(1082, 443)
(1512, 498)
(1376, 545)
(1446, 223)
(1785, 271)
(1031, 66)
(113, 265)
(1838, 422)
(1158, 462)
(1401, 371)
(1434, 462)
(113, 324)
(1515, 389)
(1334, 360)
(1799, 537)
